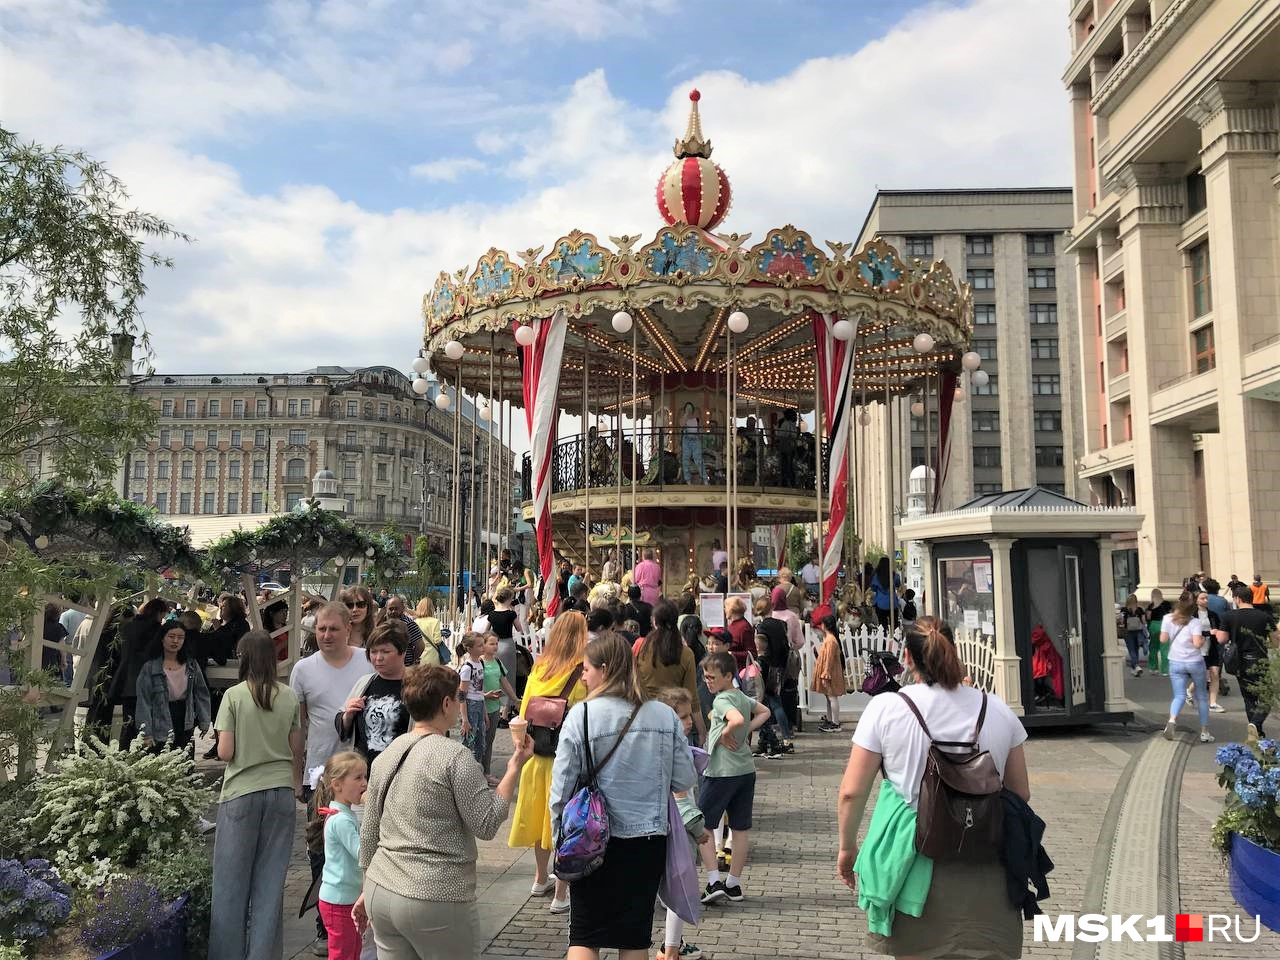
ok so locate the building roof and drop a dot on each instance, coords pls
(1031, 512)
(206, 529)
(1013, 201)
(1026, 497)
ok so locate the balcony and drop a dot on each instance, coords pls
(1118, 387)
(1116, 325)
(1113, 266)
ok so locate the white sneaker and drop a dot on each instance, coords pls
(559, 906)
(1169, 729)
(1217, 708)
(542, 889)
(1206, 736)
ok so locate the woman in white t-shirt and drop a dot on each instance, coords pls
(968, 905)
(1182, 633)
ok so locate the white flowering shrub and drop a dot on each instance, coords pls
(91, 875)
(117, 806)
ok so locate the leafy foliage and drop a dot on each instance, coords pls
(122, 806)
(187, 872)
(32, 899)
(121, 912)
(797, 548)
(1251, 775)
(21, 727)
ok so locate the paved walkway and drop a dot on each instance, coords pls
(1116, 799)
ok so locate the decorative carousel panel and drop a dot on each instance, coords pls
(878, 270)
(678, 255)
(624, 267)
(444, 300)
(787, 257)
(575, 261)
(939, 291)
(494, 278)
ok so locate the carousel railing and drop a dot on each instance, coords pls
(661, 458)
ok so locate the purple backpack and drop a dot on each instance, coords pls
(584, 821)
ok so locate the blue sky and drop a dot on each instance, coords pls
(332, 156)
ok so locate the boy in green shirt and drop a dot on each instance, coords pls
(495, 685)
(729, 785)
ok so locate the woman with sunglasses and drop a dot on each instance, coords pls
(359, 600)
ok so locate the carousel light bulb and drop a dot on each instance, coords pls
(421, 385)
(622, 322)
(442, 400)
(738, 321)
(842, 330)
(454, 350)
(971, 361)
(486, 413)
(524, 334)
(421, 364)
(980, 378)
(917, 409)
(959, 394)
(923, 342)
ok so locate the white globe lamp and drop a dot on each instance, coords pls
(486, 412)
(622, 322)
(980, 378)
(842, 330)
(971, 361)
(524, 334)
(738, 322)
(421, 364)
(454, 350)
(917, 409)
(421, 385)
(959, 394)
(923, 342)
(865, 419)
(442, 400)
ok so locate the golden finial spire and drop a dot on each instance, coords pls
(693, 144)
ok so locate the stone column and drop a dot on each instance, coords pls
(1008, 673)
(1013, 357)
(929, 608)
(958, 487)
(1113, 651)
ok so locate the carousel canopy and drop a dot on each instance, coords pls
(680, 288)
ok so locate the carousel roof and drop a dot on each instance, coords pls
(680, 287)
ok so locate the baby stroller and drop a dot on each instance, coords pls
(883, 669)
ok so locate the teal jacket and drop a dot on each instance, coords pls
(341, 880)
(892, 877)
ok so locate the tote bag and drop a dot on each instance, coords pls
(679, 888)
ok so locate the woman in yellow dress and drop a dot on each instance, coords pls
(531, 820)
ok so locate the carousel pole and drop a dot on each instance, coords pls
(488, 487)
(730, 457)
(586, 468)
(817, 461)
(455, 545)
(889, 472)
(635, 420)
(617, 497)
(474, 493)
(928, 438)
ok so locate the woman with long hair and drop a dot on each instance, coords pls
(1135, 632)
(1158, 655)
(641, 755)
(173, 698)
(424, 615)
(558, 672)
(967, 909)
(663, 659)
(260, 740)
(135, 644)
(1182, 635)
(359, 600)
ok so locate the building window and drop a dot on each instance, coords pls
(353, 408)
(137, 498)
(349, 470)
(1046, 384)
(986, 456)
(261, 408)
(1202, 349)
(162, 470)
(985, 489)
(986, 349)
(306, 408)
(986, 421)
(381, 505)
(298, 437)
(208, 505)
(382, 411)
(919, 246)
(1197, 195)
(237, 439)
(190, 407)
(165, 438)
(259, 470)
(184, 503)
(259, 438)
(188, 438)
(296, 470)
(917, 423)
(255, 503)
(233, 503)
(1044, 348)
(382, 441)
(211, 469)
(139, 470)
(215, 408)
(1040, 244)
(188, 469)
(237, 409)
(1201, 280)
(992, 389)
(292, 500)
(162, 503)
(1048, 421)
(381, 474)
(984, 314)
(982, 279)
(1048, 456)
(166, 408)
(1043, 313)
(351, 502)
(293, 408)
(1041, 278)
(351, 438)
(978, 244)
(211, 440)
(233, 470)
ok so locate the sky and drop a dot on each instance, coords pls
(331, 157)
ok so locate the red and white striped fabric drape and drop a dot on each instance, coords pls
(835, 376)
(946, 400)
(541, 369)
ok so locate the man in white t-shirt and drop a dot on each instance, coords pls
(719, 557)
(809, 574)
(322, 681)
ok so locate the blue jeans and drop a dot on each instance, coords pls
(779, 714)
(691, 458)
(1182, 672)
(250, 860)
(1133, 642)
(475, 739)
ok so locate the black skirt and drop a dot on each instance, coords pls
(614, 906)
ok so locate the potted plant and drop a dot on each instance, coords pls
(1247, 831)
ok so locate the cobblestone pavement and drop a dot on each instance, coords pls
(794, 906)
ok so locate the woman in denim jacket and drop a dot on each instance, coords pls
(613, 907)
(173, 698)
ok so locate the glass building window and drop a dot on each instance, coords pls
(188, 469)
(292, 500)
(986, 421)
(1043, 313)
(986, 349)
(984, 314)
(986, 456)
(1197, 194)
(349, 470)
(1046, 384)
(211, 469)
(215, 408)
(259, 438)
(237, 439)
(306, 408)
(1044, 348)
(208, 506)
(984, 489)
(233, 503)
(1048, 456)
(992, 389)
(978, 244)
(190, 407)
(981, 278)
(162, 470)
(184, 503)
(188, 438)
(255, 503)
(353, 408)
(259, 470)
(162, 503)
(166, 408)
(296, 470)
(298, 437)
(165, 438)
(1048, 421)
(1042, 278)
(1039, 244)
(1201, 280)
(381, 474)
(211, 439)
(233, 470)
(1202, 349)
(237, 408)
(919, 246)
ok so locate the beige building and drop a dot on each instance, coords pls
(1022, 428)
(1176, 122)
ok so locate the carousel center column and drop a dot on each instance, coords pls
(1008, 665)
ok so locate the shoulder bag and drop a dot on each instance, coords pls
(584, 822)
(960, 815)
(546, 714)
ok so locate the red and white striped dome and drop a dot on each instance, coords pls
(693, 190)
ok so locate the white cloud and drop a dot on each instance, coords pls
(446, 169)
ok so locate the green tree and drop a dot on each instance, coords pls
(72, 261)
(797, 548)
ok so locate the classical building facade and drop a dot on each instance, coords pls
(251, 444)
(1176, 124)
(1023, 428)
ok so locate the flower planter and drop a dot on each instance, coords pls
(166, 944)
(1255, 880)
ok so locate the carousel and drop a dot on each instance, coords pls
(713, 382)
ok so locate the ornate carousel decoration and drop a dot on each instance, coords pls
(694, 360)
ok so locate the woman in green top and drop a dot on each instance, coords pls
(260, 740)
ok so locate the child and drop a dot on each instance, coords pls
(828, 675)
(718, 642)
(345, 777)
(729, 785)
(679, 700)
(495, 685)
(471, 691)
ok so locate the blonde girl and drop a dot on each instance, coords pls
(345, 777)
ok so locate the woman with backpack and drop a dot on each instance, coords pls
(966, 905)
(556, 674)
